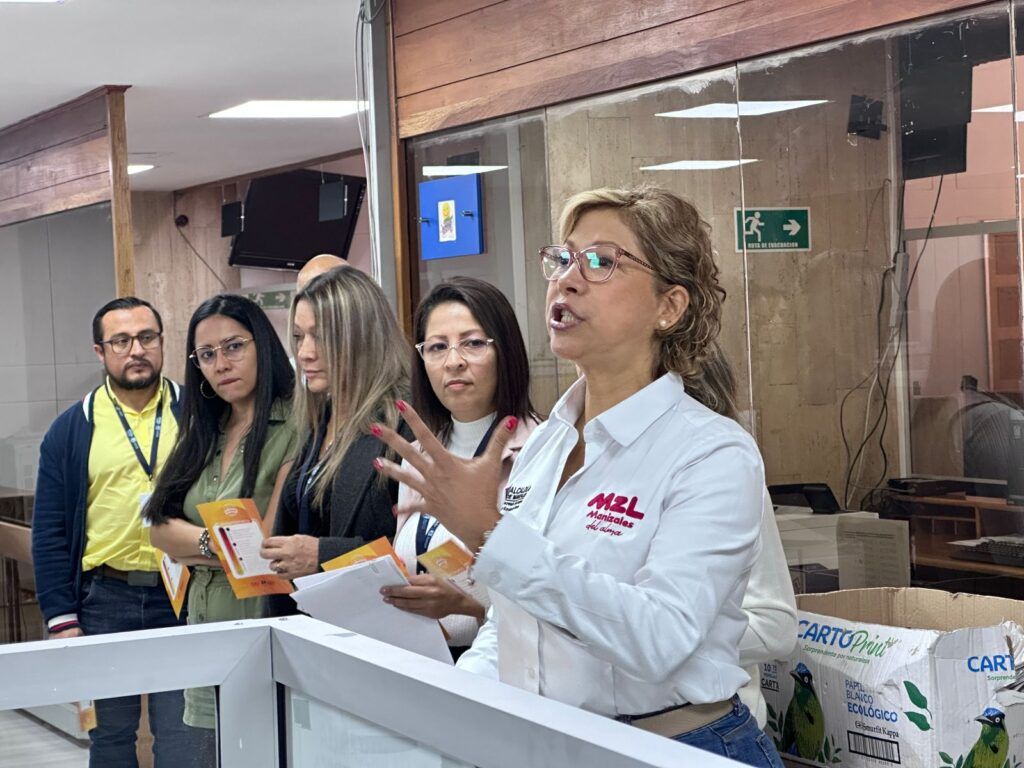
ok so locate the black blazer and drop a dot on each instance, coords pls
(360, 508)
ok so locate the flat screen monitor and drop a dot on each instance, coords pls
(291, 217)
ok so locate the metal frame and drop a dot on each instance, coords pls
(465, 716)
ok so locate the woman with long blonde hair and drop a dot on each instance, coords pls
(619, 558)
(354, 364)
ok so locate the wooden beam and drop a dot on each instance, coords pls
(404, 260)
(271, 171)
(120, 195)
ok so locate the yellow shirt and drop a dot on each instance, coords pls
(113, 523)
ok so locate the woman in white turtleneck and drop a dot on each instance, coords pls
(471, 367)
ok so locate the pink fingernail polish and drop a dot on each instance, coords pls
(512, 423)
(376, 430)
(401, 405)
(378, 464)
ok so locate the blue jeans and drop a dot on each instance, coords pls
(110, 606)
(735, 736)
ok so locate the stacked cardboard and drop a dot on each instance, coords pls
(900, 677)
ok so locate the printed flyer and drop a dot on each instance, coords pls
(235, 529)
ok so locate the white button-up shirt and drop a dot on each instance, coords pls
(620, 593)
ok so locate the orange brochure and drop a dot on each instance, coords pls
(235, 526)
(452, 562)
(175, 577)
(86, 715)
(447, 560)
(373, 550)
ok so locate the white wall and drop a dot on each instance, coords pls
(57, 271)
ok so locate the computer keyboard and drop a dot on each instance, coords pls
(1005, 550)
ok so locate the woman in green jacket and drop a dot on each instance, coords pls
(235, 441)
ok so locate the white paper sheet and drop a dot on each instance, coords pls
(350, 598)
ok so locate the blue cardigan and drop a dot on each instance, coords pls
(58, 517)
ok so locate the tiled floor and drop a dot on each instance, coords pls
(28, 743)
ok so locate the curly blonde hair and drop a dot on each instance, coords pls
(676, 241)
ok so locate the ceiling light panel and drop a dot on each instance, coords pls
(293, 109)
(460, 170)
(734, 109)
(697, 165)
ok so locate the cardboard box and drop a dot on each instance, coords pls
(1010, 700)
(899, 677)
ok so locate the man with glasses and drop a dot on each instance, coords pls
(96, 571)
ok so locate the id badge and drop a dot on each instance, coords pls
(143, 501)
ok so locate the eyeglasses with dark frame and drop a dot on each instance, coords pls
(232, 349)
(121, 345)
(596, 263)
(470, 350)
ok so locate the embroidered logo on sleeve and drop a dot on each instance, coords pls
(514, 495)
(610, 513)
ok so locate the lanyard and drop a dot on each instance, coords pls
(308, 473)
(426, 529)
(423, 536)
(149, 467)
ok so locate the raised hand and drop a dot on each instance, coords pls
(461, 493)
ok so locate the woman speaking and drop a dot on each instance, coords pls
(619, 559)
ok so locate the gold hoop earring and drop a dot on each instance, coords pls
(203, 392)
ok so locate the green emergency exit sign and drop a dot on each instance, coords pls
(773, 229)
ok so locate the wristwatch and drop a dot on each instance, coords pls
(204, 544)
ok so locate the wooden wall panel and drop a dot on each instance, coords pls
(522, 69)
(56, 160)
(75, 193)
(477, 43)
(54, 166)
(411, 15)
(71, 156)
(62, 125)
(168, 272)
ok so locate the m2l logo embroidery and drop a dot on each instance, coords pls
(610, 513)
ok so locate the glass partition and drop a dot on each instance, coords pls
(643, 136)
(865, 202)
(318, 734)
(897, 318)
(508, 158)
(818, 194)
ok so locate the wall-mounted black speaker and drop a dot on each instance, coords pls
(866, 117)
(334, 201)
(232, 219)
(1015, 473)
